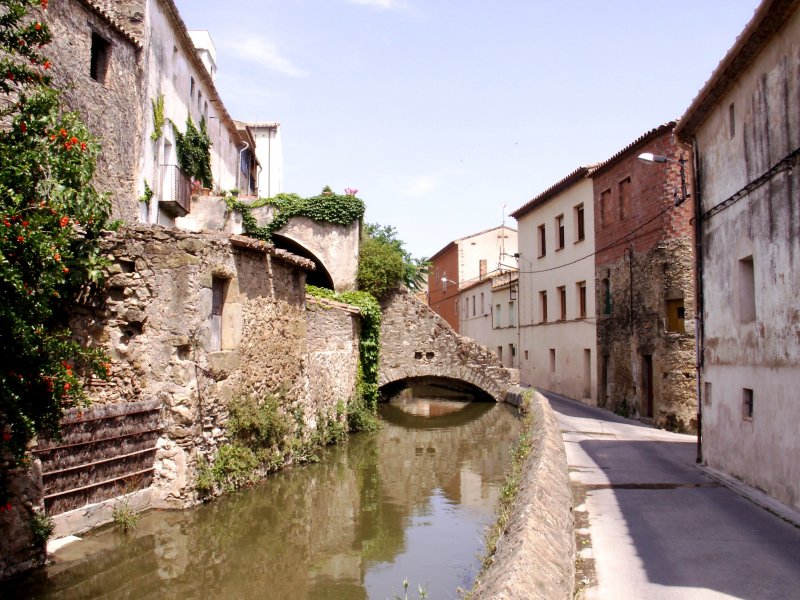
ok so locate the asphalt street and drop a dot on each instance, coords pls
(655, 526)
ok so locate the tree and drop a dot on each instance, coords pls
(50, 223)
(384, 263)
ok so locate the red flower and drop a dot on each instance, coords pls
(47, 64)
(10, 76)
(67, 386)
(57, 257)
(38, 26)
(23, 127)
(6, 223)
(65, 269)
(20, 239)
(52, 138)
(24, 223)
(83, 146)
(44, 4)
(63, 221)
(63, 132)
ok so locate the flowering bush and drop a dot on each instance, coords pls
(50, 221)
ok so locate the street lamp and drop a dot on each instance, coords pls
(445, 280)
(649, 157)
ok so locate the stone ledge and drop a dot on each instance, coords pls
(535, 555)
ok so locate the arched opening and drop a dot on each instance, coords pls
(435, 387)
(319, 277)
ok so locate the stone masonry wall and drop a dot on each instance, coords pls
(111, 108)
(535, 555)
(632, 331)
(416, 342)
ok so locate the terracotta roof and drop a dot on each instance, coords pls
(97, 7)
(769, 18)
(576, 175)
(640, 141)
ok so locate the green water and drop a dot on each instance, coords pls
(409, 502)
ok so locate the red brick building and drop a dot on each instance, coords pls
(644, 269)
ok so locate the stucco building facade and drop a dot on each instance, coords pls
(745, 129)
(463, 262)
(558, 348)
(645, 284)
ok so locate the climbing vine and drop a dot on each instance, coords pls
(51, 220)
(370, 343)
(158, 118)
(325, 208)
(194, 151)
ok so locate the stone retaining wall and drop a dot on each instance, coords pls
(535, 555)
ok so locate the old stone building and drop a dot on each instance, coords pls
(745, 129)
(96, 63)
(644, 284)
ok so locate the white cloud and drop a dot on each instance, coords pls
(258, 50)
(383, 4)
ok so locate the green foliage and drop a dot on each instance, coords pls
(124, 516)
(325, 208)
(370, 342)
(148, 193)
(158, 118)
(194, 151)
(384, 264)
(258, 424)
(42, 528)
(50, 223)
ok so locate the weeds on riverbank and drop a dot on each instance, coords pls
(511, 487)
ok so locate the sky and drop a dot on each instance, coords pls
(448, 115)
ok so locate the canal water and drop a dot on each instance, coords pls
(410, 502)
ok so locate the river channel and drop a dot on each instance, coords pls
(410, 502)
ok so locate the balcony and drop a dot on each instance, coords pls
(173, 190)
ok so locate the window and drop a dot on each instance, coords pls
(542, 241)
(747, 404)
(605, 206)
(562, 296)
(731, 121)
(482, 268)
(497, 316)
(606, 296)
(218, 289)
(552, 360)
(473, 305)
(543, 304)
(511, 314)
(675, 316)
(526, 355)
(581, 289)
(560, 231)
(624, 200)
(580, 226)
(500, 353)
(747, 291)
(199, 100)
(205, 112)
(483, 306)
(191, 87)
(466, 307)
(101, 53)
(707, 393)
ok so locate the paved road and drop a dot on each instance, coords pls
(658, 527)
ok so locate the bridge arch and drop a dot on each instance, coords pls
(319, 277)
(417, 344)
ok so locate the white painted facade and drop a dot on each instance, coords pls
(745, 128)
(175, 70)
(269, 152)
(558, 350)
(494, 246)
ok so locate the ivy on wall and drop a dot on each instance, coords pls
(158, 118)
(325, 208)
(370, 343)
(194, 151)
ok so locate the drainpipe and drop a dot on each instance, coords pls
(699, 331)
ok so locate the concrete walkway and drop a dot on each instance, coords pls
(656, 527)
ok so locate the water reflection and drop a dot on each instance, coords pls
(410, 502)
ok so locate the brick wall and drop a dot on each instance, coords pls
(444, 299)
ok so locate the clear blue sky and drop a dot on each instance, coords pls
(441, 111)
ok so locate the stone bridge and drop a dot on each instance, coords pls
(420, 349)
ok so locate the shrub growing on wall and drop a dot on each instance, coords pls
(50, 222)
(194, 151)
